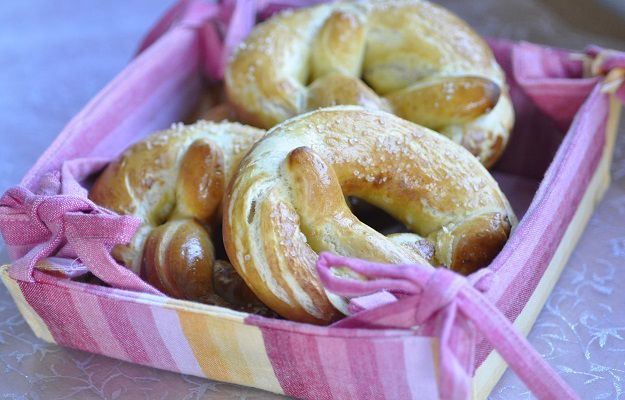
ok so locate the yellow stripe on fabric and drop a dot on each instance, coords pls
(255, 354)
(228, 350)
(33, 319)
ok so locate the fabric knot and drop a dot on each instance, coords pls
(39, 226)
(602, 60)
(482, 279)
(48, 212)
(447, 306)
(611, 65)
(439, 291)
(26, 218)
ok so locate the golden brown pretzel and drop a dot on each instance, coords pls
(409, 57)
(174, 181)
(286, 203)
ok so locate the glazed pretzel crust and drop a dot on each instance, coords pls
(287, 202)
(174, 181)
(409, 57)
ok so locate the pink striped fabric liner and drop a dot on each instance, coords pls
(296, 359)
(132, 331)
(565, 182)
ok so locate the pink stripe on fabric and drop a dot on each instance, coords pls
(241, 23)
(142, 320)
(185, 13)
(297, 365)
(183, 92)
(165, 23)
(362, 360)
(419, 361)
(553, 79)
(117, 318)
(553, 206)
(311, 380)
(390, 355)
(55, 306)
(168, 325)
(381, 372)
(335, 363)
(536, 137)
(572, 184)
(93, 320)
(171, 59)
(89, 311)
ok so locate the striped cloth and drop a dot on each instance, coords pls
(49, 225)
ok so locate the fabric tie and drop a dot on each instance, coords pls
(611, 65)
(42, 225)
(443, 304)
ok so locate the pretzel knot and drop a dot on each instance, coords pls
(408, 57)
(286, 203)
(174, 181)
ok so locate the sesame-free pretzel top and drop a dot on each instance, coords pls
(287, 202)
(409, 57)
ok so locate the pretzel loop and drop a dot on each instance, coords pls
(174, 181)
(286, 204)
(408, 57)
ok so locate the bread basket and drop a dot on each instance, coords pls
(554, 171)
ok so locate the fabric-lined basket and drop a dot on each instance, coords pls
(554, 172)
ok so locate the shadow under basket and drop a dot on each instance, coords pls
(554, 171)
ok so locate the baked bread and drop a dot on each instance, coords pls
(174, 181)
(286, 203)
(409, 57)
(212, 106)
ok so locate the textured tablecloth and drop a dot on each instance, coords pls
(55, 55)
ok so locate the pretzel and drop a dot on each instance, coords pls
(286, 203)
(174, 181)
(212, 106)
(409, 57)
